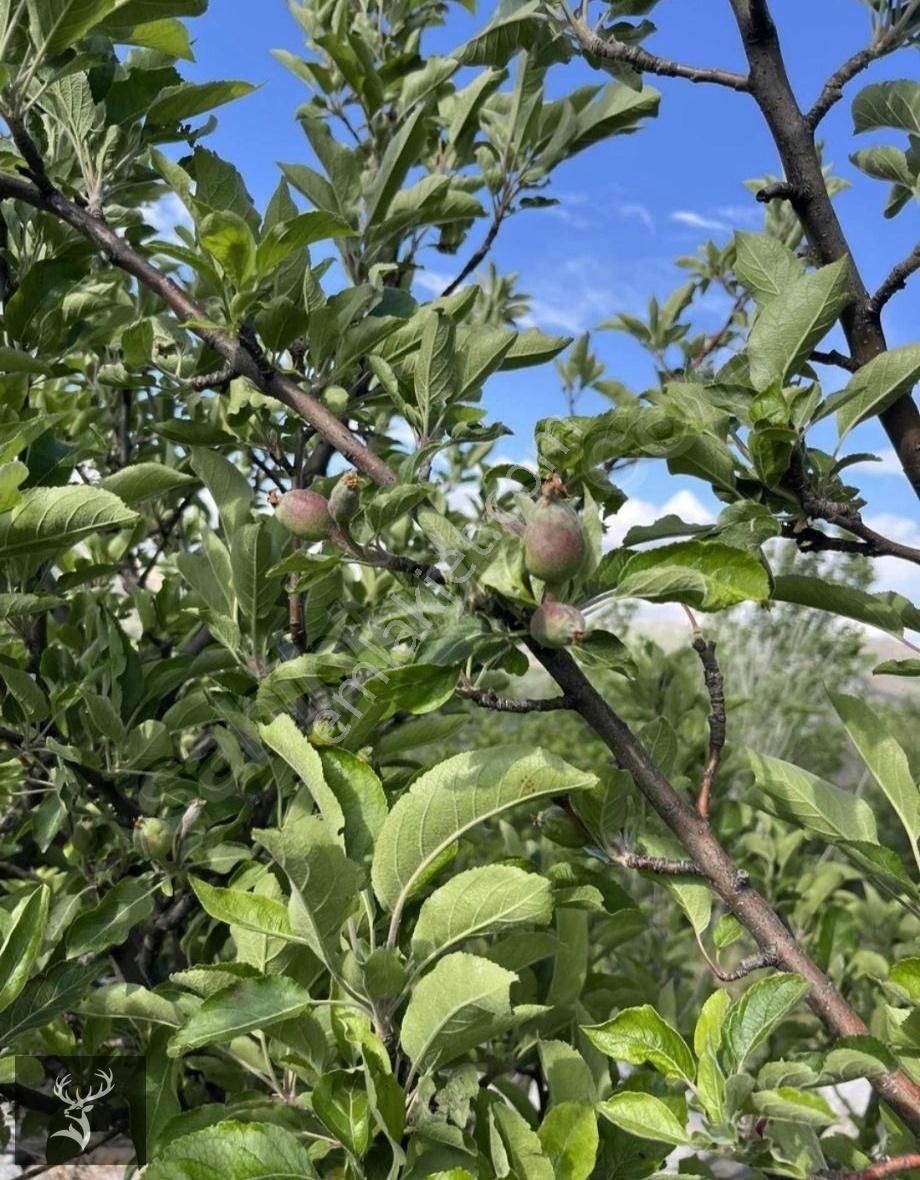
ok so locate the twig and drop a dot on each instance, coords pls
(215, 380)
(717, 339)
(833, 357)
(877, 1171)
(779, 190)
(896, 281)
(819, 508)
(477, 257)
(764, 958)
(655, 864)
(487, 699)
(832, 91)
(715, 687)
(650, 63)
(166, 529)
(25, 145)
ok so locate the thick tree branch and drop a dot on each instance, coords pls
(795, 142)
(711, 859)
(649, 63)
(896, 281)
(238, 352)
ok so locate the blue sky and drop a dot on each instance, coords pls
(629, 206)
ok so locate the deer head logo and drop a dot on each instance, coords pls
(79, 1105)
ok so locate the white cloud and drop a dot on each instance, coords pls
(751, 214)
(889, 464)
(636, 512)
(165, 214)
(892, 573)
(697, 220)
(431, 281)
(639, 212)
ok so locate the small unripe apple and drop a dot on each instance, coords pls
(153, 837)
(556, 624)
(336, 399)
(343, 501)
(84, 836)
(554, 541)
(305, 514)
(325, 730)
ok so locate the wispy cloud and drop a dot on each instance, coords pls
(697, 220)
(742, 214)
(637, 512)
(634, 209)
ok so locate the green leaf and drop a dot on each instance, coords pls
(435, 369)
(847, 601)
(241, 1008)
(568, 1135)
(60, 987)
(640, 1035)
(262, 915)
(401, 154)
(886, 759)
(144, 481)
(514, 27)
(567, 1074)
(452, 798)
(897, 668)
(875, 387)
(481, 901)
(518, 1149)
(165, 36)
(57, 24)
(753, 1018)
(453, 1008)
(703, 574)
(361, 797)
(645, 1116)
(228, 239)
(22, 943)
(806, 800)
(416, 688)
(787, 329)
(48, 519)
(297, 234)
(127, 903)
(130, 1001)
(285, 739)
(793, 1106)
(233, 1151)
(178, 103)
(324, 883)
(888, 104)
(340, 1102)
(765, 265)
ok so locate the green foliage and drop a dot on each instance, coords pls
(257, 826)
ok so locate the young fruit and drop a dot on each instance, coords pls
(153, 837)
(556, 624)
(343, 502)
(336, 399)
(554, 541)
(305, 514)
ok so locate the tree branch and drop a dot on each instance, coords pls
(832, 91)
(878, 1171)
(487, 699)
(238, 352)
(896, 281)
(655, 864)
(795, 143)
(650, 63)
(755, 962)
(714, 863)
(833, 357)
(712, 676)
(477, 257)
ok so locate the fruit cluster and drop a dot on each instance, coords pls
(553, 541)
(554, 551)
